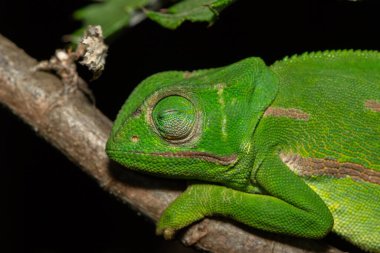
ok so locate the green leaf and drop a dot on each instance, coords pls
(192, 10)
(112, 15)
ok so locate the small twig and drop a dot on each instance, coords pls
(91, 49)
(80, 131)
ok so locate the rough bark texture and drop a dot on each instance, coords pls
(79, 130)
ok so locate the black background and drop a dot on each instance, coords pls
(52, 206)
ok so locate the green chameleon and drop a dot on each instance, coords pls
(293, 148)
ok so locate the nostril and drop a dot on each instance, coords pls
(135, 138)
(137, 112)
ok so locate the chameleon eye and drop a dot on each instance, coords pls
(174, 117)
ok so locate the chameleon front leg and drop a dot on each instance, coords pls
(290, 207)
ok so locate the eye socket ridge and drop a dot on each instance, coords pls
(175, 118)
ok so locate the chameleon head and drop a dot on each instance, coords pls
(190, 125)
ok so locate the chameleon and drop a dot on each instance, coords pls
(292, 148)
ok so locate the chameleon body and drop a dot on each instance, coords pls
(292, 148)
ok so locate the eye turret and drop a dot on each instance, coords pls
(174, 118)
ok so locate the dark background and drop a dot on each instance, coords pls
(51, 206)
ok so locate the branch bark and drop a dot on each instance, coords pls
(80, 131)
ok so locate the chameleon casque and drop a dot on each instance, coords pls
(293, 148)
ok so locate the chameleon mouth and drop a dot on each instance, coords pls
(221, 160)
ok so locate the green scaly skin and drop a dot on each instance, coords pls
(292, 148)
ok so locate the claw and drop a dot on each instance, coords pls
(168, 233)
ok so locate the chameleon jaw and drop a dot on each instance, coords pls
(222, 160)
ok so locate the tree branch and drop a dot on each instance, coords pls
(80, 131)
